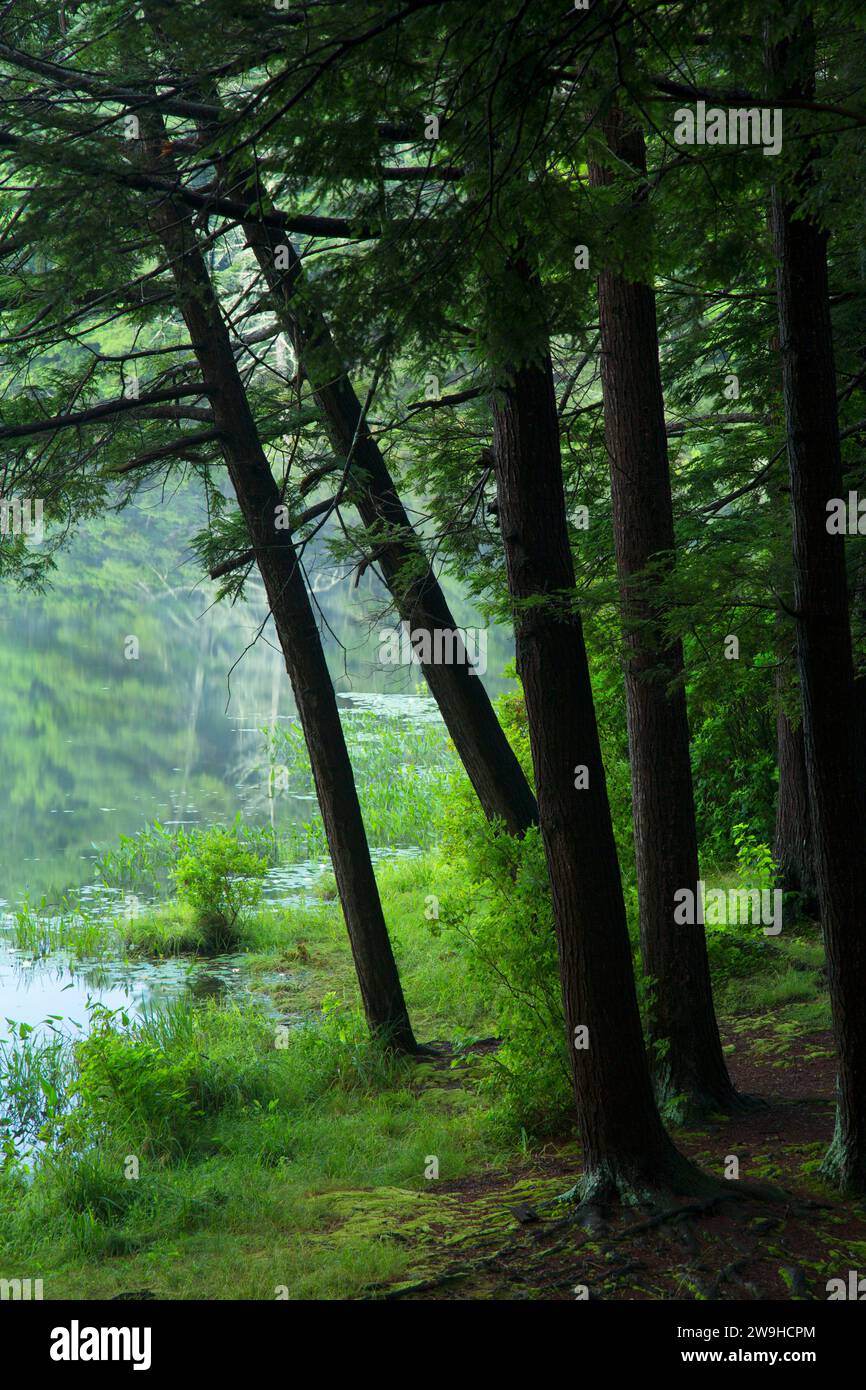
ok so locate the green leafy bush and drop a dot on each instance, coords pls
(155, 1083)
(219, 880)
(755, 865)
(732, 729)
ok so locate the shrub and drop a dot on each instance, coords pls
(219, 880)
(155, 1083)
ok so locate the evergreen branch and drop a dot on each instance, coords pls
(182, 447)
(120, 406)
(733, 97)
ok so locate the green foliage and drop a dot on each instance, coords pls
(231, 1118)
(500, 903)
(34, 1083)
(755, 864)
(401, 771)
(87, 301)
(148, 860)
(733, 756)
(737, 948)
(127, 1085)
(220, 881)
(497, 902)
(152, 1086)
(70, 926)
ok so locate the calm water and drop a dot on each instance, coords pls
(96, 742)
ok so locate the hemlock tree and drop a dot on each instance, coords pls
(424, 169)
(260, 502)
(686, 1049)
(821, 599)
(461, 250)
(392, 542)
(625, 1147)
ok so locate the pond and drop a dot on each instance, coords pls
(98, 742)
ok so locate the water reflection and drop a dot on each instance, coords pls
(94, 745)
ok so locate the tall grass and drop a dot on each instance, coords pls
(39, 930)
(36, 1080)
(144, 862)
(401, 772)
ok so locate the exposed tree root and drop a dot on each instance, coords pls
(597, 1191)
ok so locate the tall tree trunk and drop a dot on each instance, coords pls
(625, 1146)
(823, 629)
(686, 1050)
(793, 844)
(259, 500)
(793, 848)
(481, 744)
(858, 626)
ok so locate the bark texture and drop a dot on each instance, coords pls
(625, 1145)
(793, 847)
(823, 629)
(686, 1050)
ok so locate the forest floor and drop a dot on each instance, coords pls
(515, 1244)
(307, 1176)
(498, 1232)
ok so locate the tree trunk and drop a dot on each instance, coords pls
(858, 626)
(259, 500)
(685, 1047)
(793, 849)
(481, 744)
(823, 629)
(625, 1146)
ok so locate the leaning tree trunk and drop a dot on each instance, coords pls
(821, 603)
(478, 737)
(625, 1146)
(259, 501)
(686, 1050)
